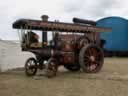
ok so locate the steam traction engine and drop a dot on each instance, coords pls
(74, 45)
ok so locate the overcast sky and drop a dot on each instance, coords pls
(62, 10)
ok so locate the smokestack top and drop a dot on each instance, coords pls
(44, 18)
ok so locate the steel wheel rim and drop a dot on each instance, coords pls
(31, 66)
(92, 58)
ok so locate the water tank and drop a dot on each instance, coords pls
(117, 40)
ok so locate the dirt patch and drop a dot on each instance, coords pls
(111, 81)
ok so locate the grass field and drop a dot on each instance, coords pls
(112, 80)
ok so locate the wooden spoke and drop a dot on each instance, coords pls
(92, 58)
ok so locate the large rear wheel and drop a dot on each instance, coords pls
(91, 58)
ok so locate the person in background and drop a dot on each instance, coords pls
(102, 43)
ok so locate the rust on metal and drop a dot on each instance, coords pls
(75, 50)
(57, 26)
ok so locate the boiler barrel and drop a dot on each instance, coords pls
(83, 21)
(46, 52)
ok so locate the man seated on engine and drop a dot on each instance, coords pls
(31, 39)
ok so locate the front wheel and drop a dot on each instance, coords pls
(31, 67)
(91, 58)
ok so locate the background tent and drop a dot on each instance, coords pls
(11, 56)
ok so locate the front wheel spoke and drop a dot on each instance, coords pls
(30, 66)
(30, 62)
(27, 66)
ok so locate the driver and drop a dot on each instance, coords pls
(32, 38)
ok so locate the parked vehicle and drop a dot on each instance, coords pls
(73, 45)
